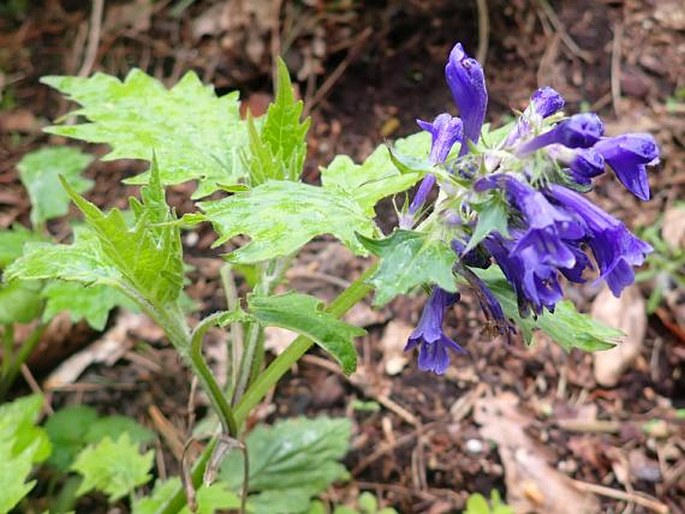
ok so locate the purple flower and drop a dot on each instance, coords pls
(546, 101)
(536, 284)
(445, 131)
(628, 156)
(579, 131)
(467, 82)
(583, 163)
(433, 352)
(614, 247)
(546, 229)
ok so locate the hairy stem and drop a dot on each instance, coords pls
(271, 375)
(254, 394)
(206, 376)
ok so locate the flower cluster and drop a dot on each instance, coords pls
(541, 169)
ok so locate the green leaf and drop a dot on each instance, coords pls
(91, 303)
(282, 501)
(159, 496)
(67, 430)
(217, 497)
(113, 467)
(304, 314)
(195, 135)
(82, 261)
(277, 151)
(409, 259)
(112, 426)
(477, 504)
(295, 459)
(377, 177)
(39, 171)
(12, 243)
(22, 444)
(493, 216)
(492, 138)
(20, 301)
(281, 216)
(145, 258)
(567, 327)
(73, 428)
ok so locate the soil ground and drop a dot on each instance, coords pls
(366, 70)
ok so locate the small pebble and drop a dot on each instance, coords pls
(474, 446)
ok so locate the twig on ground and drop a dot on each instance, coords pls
(641, 499)
(35, 388)
(561, 29)
(93, 38)
(328, 84)
(616, 46)
(168, 431)
(483, 31)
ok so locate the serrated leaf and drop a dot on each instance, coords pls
(493, 216)
(217, 497)
(295, 459)
(281, 216)
(377, 177)
(20, 301)
(113, 467)
(112, 426)
(39, 171)
(158, 497)
(566, 326)
(73, 428)
(195, 135)
(21, 445)
(12, 243)
(81, 261)
(145, 258)
(304, 314)
(148, 254)
(409, 259)
(90, 303)
(277, 150)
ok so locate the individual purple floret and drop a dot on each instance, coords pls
(628, 156)
(583, 163)
(546, 101)
(434, 344)
(546, 229)
(615, 249)
(536, 284)
(466, 80)
(543, 103)
(445, 131)
(579, 131)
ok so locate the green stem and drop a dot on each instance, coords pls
(22, 356)
(207, 377)
(279, 367)
(7, 347)
(253, 348)
(236, 330)
(343, 303)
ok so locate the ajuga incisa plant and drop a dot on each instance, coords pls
(502, 212)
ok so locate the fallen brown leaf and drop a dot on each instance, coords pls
(533, 485)
(627, 314)
(393, 342)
